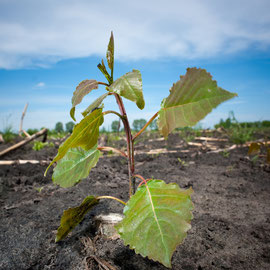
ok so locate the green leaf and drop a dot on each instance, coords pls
(156, 220)
(73, 216)
(110, 52)
(104, 71)
(95, 104)
(74, 166)
(84, 88)
(85, 134)
(190, 100)
(129, 86)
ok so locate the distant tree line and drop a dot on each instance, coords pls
(59, 128)
(137, 125)
(232, 122)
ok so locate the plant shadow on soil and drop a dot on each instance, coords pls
(230, 229)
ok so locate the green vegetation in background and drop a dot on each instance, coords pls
(32, 131)
(8, 134)
(58, 132)
(59, 127)
(115, 126)
(138, 124)
(69, 126)
(153, 125)
(38, 145)
(238, 133)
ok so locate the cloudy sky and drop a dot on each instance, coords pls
(48, 47)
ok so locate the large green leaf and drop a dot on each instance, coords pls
(85, 134)
(190, 100)
(157, 219)
(84, 88)
(73, 216)
(95, 104)
(75, 165)
(110, 52)
(129, 86)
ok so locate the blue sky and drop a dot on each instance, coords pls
(48, 47)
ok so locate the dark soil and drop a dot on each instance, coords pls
(230, 229)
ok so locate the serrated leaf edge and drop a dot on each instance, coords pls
(189, 191)
(76, 164)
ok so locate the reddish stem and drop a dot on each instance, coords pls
(102, 83)
(130, 148)
(143, 180)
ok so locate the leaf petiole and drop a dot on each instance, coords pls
(102, 83)
(114, 112)
(143, 182)
(112, 198)
(107, 148)
(139, 176)
(145, 126)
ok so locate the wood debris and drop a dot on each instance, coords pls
(27, 140)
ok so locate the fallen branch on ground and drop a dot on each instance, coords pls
(210, 139)
(21, 143)
(22, 161)
(223, 149)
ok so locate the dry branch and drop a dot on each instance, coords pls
(23, 161)
(26, 134)
(21, 143)
(223, 149)
(195, 144)
(21, 124)
(210, 139)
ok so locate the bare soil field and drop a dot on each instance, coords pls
(230, 229)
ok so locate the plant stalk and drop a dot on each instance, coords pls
(130, 147)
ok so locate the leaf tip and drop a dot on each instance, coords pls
(72, 112)
(57, 239)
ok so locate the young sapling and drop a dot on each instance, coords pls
(157, 215)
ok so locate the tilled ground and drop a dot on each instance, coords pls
(230, 229)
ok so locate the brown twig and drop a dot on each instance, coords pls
(26, 134)
(21, 161)
(223, 149)
(210, 139)
(21, 143)
(21, 123)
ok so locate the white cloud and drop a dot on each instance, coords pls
(38, 33)
(40, 84)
